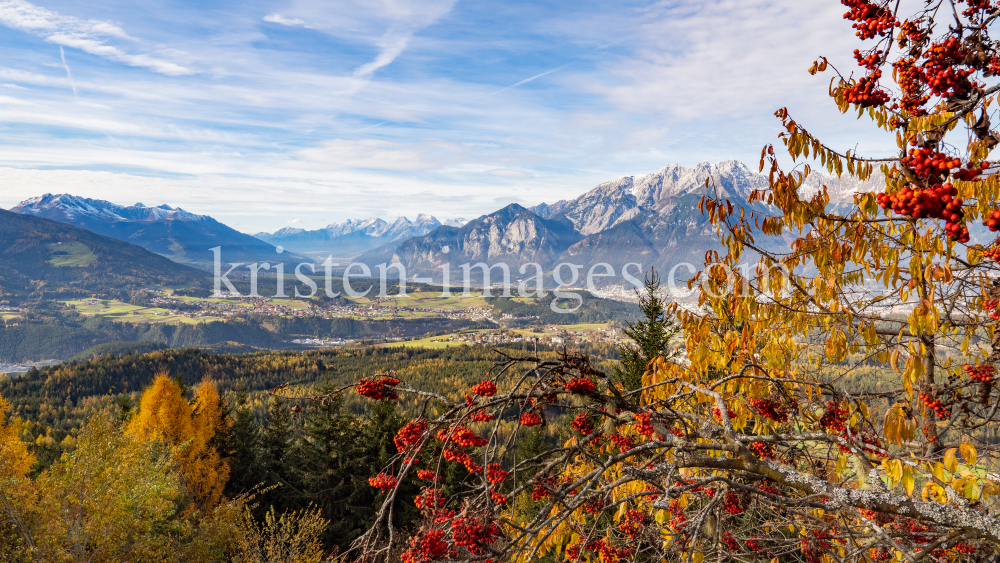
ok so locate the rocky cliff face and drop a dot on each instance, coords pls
(513, 235)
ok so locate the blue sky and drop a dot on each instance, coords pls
(270, 114)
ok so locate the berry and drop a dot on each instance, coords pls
(936, 405)
(463, 437)
(485, 389)
(580, 385)
(410, 434)
(582, 424)
(764, 451)
(383, 481)
(530, 419)
(378, 388)
(495, 474)
(429, 499)
(770, 409)
(732, 503)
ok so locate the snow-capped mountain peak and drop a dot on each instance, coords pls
(53, 206)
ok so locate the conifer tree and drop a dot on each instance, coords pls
(651, 335)
(244, 448)
(276, 444)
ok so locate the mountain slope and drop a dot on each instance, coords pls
(40, 257)
(172, 232)
(513, 235)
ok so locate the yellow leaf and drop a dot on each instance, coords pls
(908, 481)
(968, 451)
(698, 557)
(950, 463)
(938, 471)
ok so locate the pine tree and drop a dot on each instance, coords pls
(276, 444)
(651, 335)
(245, 450)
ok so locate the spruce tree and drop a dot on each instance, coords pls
(651, 335)
(276, 444)
(245, 450)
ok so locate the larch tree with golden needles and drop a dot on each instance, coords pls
(164, 414)
(837, 403)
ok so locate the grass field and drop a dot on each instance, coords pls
(116, 310)
(431, 342)
(70, 254)
(429, 300)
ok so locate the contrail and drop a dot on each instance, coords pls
(535, 77)
(69, 74)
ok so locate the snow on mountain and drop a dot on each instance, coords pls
(51, 206)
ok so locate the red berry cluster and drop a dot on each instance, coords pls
(866, 92)
(993, 306)
(474, 534)
(913, 32)
(769, 408)
(870, 61)
(992, 220)
(732, 504)
(582, 424)
(428, 474)
(606, 552)
(769, 486)
(678, 519)
(580, 385)
(983, 373)
(764, 450)
(429, 499)
(929, 164)
(975, 6)
(870, 18)
(594, 506)
(481, 416)
(635, 521)
(427, 546)
(498, 498)
(530, 419)
(971, 172)
(495, 474)
(730, 542)
(936, 405)
(543, 488)
(643, 425)
(463, 458)
(911, 84)
(752, 543)
(410, 434)
(462, 436)
(718, 414)
(383, 481)
(378, 388)
(938, 202)
(485, 389)
(623, 443)
(834, 417)
(941, 72)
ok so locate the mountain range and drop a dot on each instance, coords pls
(651, 220)
(172, 232)
(40, 258)
(352, 237)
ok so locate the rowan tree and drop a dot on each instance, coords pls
(836, 403)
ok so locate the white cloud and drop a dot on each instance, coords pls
(282, 20)
(366, 154)
(90, 36)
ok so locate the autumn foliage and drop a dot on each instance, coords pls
(835, 402)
